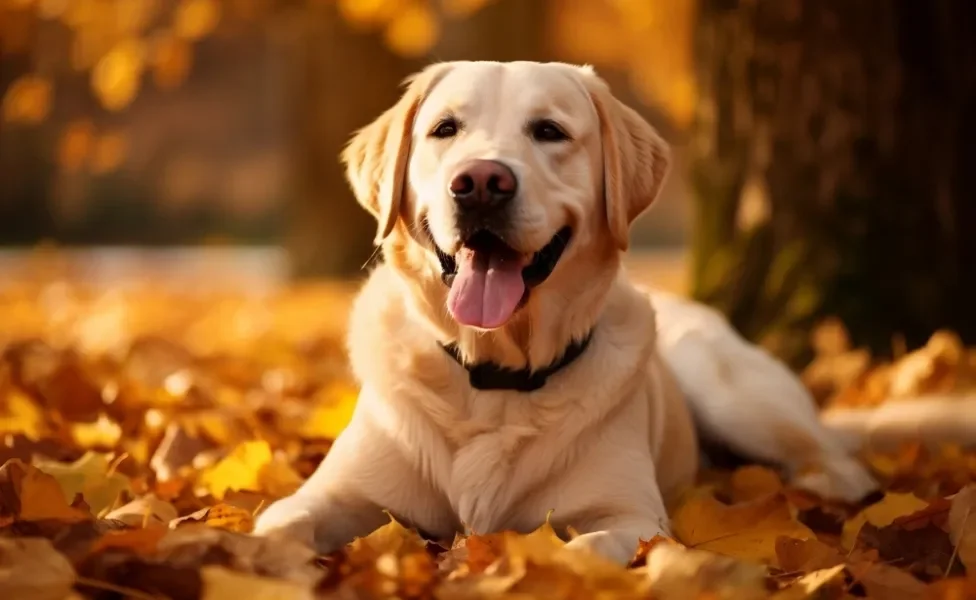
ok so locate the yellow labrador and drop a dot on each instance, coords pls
(508, 367)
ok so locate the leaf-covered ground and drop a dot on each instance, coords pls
(143, 430)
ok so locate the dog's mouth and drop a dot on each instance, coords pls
(490, 280)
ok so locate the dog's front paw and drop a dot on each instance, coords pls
(604, 544)
(838, 477)
(287, 518)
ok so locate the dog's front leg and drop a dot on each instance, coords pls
(341, 500)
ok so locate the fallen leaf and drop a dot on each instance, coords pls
(805, 556)
(752, 482)
(885, 582)
(332, 413)
(231, 518)
(746, 531)
(144, 540)
(678, 573)
(241, 470)
(811, 583)
(31, 569)
(91, 476)
(962, 525)
(220, 584)
(880, 514)
(29, 494)
(144, 511)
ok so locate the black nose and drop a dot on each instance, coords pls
(483, 184)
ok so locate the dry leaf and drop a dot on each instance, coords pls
(677, 573)
(811, 583)
(241, 470)
(144, 511)
(962, 525)
(30, 494)
(883, 513)
(746, 531)
(753, 482)
(31, 569)
(91, 476)
(221, 584)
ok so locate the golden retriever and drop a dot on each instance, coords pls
(509, 370)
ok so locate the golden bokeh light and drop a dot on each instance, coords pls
(117, 77)
(28, 100)
(413, 31)
(196, 19)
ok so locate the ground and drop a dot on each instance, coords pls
(145, 426)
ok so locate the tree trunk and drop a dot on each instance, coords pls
(343, 79)
(829, 164)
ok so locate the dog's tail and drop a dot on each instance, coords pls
(744, 398)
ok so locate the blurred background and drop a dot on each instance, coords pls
(824, 149)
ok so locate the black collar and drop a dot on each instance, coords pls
(490, 376)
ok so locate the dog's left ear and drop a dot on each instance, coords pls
(635, 158)
(376, 156)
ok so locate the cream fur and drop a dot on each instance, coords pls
(609, 441)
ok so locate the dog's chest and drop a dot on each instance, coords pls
(491, 470)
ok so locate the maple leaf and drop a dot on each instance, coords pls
(747, 530)
(880, 514)
(92, 476)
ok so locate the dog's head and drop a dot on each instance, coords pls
(493, 182)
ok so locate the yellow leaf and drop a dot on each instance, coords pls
(232, 518)
(89, 476)
(220, 584)
(103, 433)
(330, 416)
(278, 479)
(22, 415)
(747, 531)
(752, 482)
(241, 470)
(880, 514)
(392, 538)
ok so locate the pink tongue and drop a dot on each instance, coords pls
(486, 290)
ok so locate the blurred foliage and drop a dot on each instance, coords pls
(122, 45)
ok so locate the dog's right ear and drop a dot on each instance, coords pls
(376, 156)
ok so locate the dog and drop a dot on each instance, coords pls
(509, 370)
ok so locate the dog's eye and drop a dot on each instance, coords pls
(545, 130)
(446, 128)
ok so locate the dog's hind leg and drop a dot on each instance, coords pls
(744, 398)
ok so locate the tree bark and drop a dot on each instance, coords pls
(343, 79)
(829, 166)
